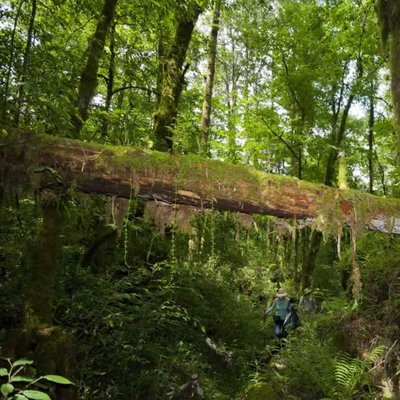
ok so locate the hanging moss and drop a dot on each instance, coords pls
(189, 179)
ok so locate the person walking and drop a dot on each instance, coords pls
(307, 302)
(281, 307)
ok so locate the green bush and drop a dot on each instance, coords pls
(308, 367)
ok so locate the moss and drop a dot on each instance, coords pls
(220, 396)
(261, 391)
(331, 207)
(191, 167)
(350, 207)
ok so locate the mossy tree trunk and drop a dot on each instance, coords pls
(110, 83)
(88, 81)
(338, 134)
(6, 88)
(299, 114)
(395, 61)
(231, 77)
(331, 175)
(337, 139)
(389, 19)
(25, 65)
(171, 81)
(312, 246)
(51, 348)
(190, 180)
(44, 261)
(209, 79)
(371, 123)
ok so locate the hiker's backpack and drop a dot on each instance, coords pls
(292, 319)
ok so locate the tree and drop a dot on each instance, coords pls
(25, 64)
(188, 180)
(209, 78)
(88, 80)
(10, 62)
(172, 75)
(389, 18)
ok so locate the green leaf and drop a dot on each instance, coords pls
(22, 361)
(20, 378)
(4, 133)
(35, 395)
(3, 372)
(57, 379)
(6, 389)
(20, 396)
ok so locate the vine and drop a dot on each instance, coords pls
(174, 260)
(126, 223)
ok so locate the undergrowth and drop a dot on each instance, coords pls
(151, 313)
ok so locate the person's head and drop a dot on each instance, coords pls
(307, 291)
(281, 293)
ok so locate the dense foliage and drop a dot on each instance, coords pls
(145, 322)
(297, 83)
(127, 304)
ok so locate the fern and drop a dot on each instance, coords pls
(352, 373)
(375, 354)
(348, 372)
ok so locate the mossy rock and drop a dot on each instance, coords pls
(261, 391)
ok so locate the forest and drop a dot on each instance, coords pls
(172, 172)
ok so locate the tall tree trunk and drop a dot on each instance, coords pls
(88, 81)
(336, 144)
(338, 136)
(10, 63)
(172, 80)
(25, 65)
(312, 244)
(297, 148)
(163, 34)
(110, 83)
(389, 19)
(300, 163)
(232, 147)
(371, 122)
(209, 79)
(316, 237)
(44, 261)
(231, 95)
(382, 178)
(395, 63)
(51, 348)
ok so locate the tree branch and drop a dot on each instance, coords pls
(290, 148)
